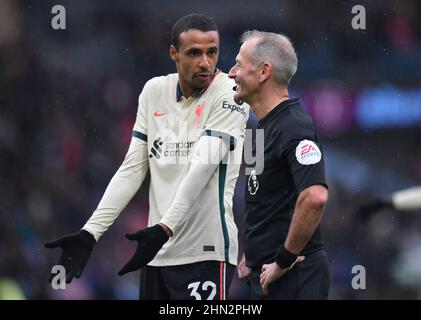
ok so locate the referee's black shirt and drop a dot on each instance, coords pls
(293, 161)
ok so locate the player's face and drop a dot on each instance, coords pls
(245, 74)
(196, 59)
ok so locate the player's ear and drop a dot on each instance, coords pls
(173, 53)
(265, 71)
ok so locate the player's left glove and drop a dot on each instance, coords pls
(149, 242)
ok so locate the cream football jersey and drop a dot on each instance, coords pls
(168, 127)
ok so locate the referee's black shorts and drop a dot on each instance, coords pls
(205, 280)
(307, 280)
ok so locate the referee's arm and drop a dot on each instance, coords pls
(307, 215)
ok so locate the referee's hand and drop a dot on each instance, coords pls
(272, 272)
(149, 242)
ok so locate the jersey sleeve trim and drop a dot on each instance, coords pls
(222, 135)
(222, 177)
(140, 135)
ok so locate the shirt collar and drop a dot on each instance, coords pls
(197, 93)
(283, 105)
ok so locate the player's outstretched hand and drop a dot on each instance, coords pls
(75, 254)
(149, 242)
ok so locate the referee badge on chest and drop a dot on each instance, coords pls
(253, 183)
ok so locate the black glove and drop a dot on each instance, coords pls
(76, 251)
(372, 207)
(149, 242)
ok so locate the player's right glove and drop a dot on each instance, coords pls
(76, 251)
(149, 242)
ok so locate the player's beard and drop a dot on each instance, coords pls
(198, 82)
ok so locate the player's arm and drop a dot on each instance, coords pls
(76, 248)
(403, 200)
(408, 199)
(127, 180)
(121, 189)
(129, 177)
(207, 156)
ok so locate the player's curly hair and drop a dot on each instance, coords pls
(200, 22)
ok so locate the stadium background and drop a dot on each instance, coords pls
(68, 104)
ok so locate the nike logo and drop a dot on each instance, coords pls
(158, 114)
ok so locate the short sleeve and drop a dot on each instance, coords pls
(304, 155)
(140, 129)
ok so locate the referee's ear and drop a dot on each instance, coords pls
(265, 71)
(173, 53)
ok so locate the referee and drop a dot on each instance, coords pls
(284, 256)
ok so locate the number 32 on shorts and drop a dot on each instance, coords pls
(194, 287)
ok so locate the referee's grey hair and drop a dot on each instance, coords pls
(276, 49)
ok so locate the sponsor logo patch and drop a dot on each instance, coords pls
(307, 152)
(198, 112)
(159, 114)
(170, 150)
(156, 149)
(234, 107)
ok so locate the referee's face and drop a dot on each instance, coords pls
(245, 74)
(196, 59)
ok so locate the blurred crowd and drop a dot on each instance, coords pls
(68, 101)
